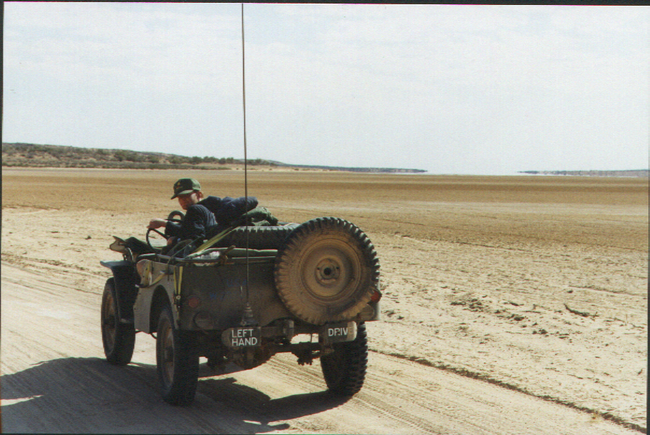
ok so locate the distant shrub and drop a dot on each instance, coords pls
(33, 155)
(177, 160)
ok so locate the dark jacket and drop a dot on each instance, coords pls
(208, 213)
(228, 209)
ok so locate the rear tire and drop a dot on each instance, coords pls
(177, 361)
(344, 369)
(118, 338)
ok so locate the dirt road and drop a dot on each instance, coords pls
(56, 381)
(511, 305)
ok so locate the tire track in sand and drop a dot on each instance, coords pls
(56, 381)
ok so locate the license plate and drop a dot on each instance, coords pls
(244, 336)
(338, 332)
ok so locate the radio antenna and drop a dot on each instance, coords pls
(243, 75)
(247, 316)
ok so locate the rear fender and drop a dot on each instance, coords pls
(149, 305)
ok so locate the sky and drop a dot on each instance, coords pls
(450, 89)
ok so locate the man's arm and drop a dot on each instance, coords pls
(193, 225)
(156, 223)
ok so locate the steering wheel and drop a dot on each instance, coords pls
(176, 216)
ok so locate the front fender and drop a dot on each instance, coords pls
(126, 280)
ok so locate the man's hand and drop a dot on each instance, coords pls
(157, 223)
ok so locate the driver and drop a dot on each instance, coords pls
(201, 212)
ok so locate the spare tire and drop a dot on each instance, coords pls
(259, 237)
(327, 271)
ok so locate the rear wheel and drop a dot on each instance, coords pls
(345, 368)
(118, 338)
(177, 359)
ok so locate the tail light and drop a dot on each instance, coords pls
(193, 302)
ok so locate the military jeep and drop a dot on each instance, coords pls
(242, 296)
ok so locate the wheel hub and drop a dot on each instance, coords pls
(328, 272)
(167, 355)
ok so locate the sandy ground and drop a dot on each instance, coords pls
(511, 305)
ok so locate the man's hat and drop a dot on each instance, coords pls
(185, 186)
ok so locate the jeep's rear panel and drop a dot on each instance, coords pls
(213, 296)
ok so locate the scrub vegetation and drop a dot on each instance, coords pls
(32, 155)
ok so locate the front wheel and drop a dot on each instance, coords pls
(118, 338)
(177, 359)
(345, 368)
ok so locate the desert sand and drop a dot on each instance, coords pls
(510, 305)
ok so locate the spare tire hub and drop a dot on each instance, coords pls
(328, 271)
